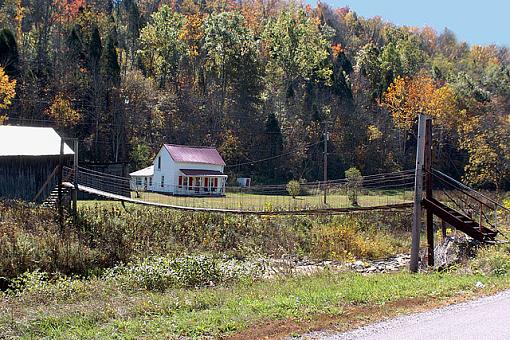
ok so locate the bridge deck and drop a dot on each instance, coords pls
(93, 191)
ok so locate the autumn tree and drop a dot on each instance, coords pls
(406, 98)
(256, 78)
(62, 112)
(486, 138)
(7, 93)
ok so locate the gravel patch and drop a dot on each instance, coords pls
(485, 318)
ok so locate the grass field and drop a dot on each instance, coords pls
(97, 310)
(259, 202)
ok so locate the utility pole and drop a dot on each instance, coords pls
(325, 160)
(75, 182)
(418, 191)
(60, 179)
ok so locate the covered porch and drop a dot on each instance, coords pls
(195, 182)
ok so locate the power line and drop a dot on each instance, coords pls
(273, 157)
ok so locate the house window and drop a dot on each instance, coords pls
(138, 181)
(180, 182)
(162, 181)
(150, 181)
(159, 163)
(206, 184)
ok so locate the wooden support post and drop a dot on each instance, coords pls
(325, 166)
(496, 216)
(75, 183)
(428, 190)
(418, 191)
(60, 178)
(480, 218)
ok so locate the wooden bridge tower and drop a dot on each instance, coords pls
(433, 207)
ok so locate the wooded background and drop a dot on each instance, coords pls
(257, 79)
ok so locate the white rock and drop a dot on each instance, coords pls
(479, 285)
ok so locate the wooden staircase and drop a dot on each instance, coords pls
(460, 221)
(52, 200)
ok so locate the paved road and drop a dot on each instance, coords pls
(486, 318)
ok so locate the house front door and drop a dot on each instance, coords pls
(198, 184)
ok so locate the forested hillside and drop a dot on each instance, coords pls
(256, 78)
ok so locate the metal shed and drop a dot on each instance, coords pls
(28, 156)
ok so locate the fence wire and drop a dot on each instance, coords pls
(384, 190)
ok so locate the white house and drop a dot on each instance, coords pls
(183, 170)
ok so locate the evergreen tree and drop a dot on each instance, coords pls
(274, 143)
(9, 58)
(95, 48)
(109, 63)
(75, 44)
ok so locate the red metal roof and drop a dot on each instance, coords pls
(192, 154)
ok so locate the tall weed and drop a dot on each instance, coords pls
(32, 239)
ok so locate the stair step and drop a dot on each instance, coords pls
(460, 221)
(52, 199)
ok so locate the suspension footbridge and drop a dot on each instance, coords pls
(389, 191)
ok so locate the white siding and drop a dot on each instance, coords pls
(166, 170)
(170, 170)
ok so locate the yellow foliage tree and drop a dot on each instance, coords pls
(231, 148)
(192, 33)
(486, 138)
(62, 111)
(7, 93)
(406, 98)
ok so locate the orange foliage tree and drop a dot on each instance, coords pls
(408, 97)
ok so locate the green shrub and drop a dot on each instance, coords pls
(155, 273)
(294, 188)
(161, 273)
(494, 261)
(354, 182)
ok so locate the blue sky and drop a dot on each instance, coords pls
(477, 22)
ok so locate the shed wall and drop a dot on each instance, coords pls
(21, 177)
